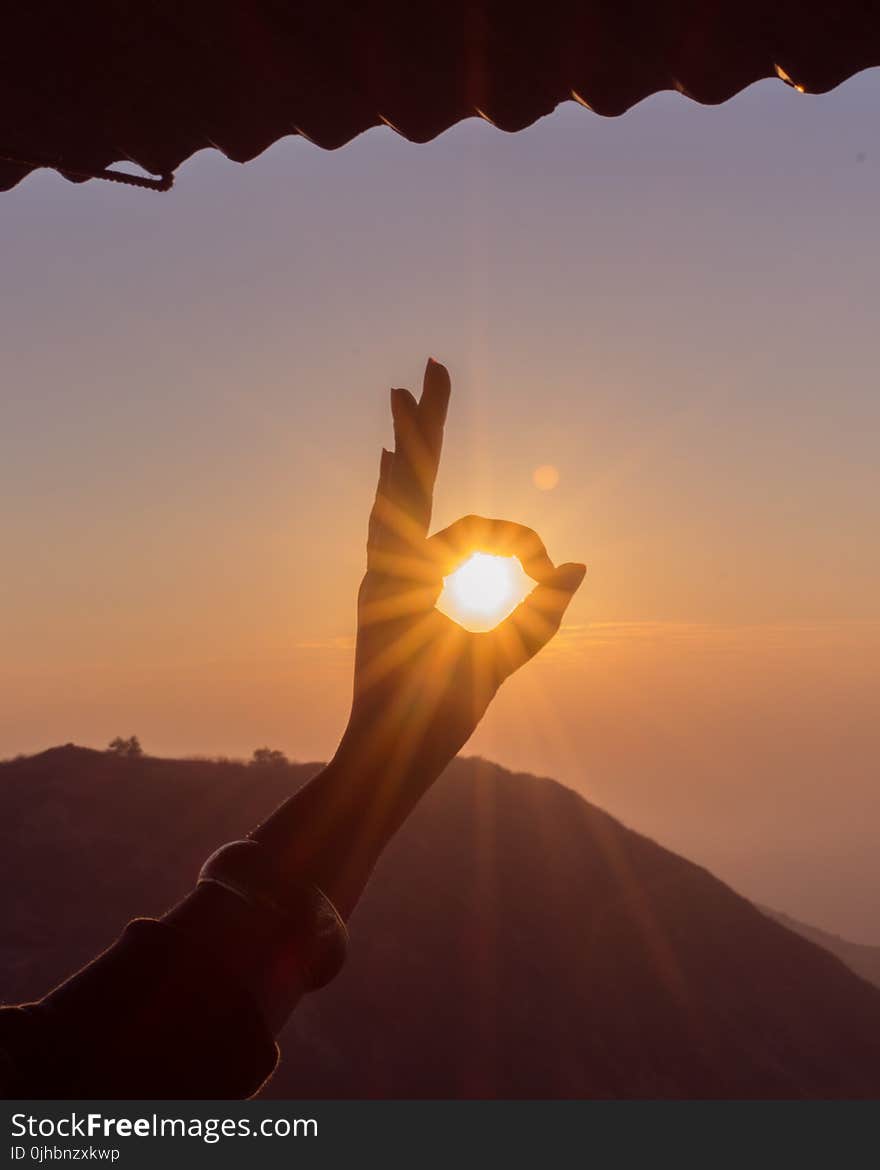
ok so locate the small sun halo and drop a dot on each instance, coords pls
(483, 591)
(545, 477)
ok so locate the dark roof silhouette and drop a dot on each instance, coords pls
(83, 86)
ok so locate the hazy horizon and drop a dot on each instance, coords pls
(676, 309)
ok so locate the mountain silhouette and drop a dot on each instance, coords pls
(862, 958)
(515, 941)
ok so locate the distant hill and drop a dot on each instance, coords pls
(515, 942)
(859, 957)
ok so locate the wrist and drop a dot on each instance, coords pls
(370, 759)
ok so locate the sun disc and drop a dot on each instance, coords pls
(484, 590)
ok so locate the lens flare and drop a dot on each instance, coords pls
(546, 477)
(484, 590)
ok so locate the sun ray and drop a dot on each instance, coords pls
(398, 651)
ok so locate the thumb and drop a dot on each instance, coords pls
(534, 622)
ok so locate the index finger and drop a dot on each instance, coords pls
(503, 538)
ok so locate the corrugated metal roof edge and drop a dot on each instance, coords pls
(13, 172)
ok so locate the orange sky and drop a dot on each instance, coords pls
(677, 309)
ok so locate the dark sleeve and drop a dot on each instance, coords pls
(155, 1016)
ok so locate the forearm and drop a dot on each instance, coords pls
(328, 835)
(332, 832)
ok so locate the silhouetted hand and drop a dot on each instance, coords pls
(422, 682)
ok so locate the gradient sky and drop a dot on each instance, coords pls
(678, 309)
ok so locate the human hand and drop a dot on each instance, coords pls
(421, 685)
(422, 682)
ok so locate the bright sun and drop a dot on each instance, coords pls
(484, 590)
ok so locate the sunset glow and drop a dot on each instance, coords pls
(614, 299)
(484, 590)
